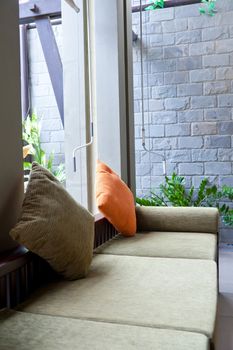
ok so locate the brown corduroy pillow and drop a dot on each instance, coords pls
(54, 226)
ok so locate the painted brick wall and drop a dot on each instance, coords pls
(42, 96)
(189, 96)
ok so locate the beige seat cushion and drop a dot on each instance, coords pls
(164, 244)
(24, 331)
(54, 226)
(164, 293)
(178, 219)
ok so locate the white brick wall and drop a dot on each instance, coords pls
(42, 96)
(188, 92)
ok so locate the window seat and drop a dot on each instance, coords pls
(129, 300)
(22, 272)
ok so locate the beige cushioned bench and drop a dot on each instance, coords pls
(157, 290)
(37, 332)
(192, 245)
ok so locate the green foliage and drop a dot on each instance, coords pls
(59, 173)
(174, 193)
(209, 7)
(158, 4)
(31, 135)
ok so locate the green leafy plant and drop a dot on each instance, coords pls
(174, 193)
(158, 4)
(31, 136)
(208, 8)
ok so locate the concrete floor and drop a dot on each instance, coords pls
(224, 326)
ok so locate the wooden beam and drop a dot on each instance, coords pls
(53, 60)
(33, 9)
(167, 3)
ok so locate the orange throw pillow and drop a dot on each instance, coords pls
(115, 200)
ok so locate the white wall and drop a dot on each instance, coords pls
(108, 87)
(43, 101)
(114, 86)
(74, 100)
(107, 83)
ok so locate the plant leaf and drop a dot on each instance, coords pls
(149, 8)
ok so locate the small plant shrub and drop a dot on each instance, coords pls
(157, 4)
(31, 136)
(174, 193)
(208, 8)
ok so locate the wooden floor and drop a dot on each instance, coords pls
(224, 327)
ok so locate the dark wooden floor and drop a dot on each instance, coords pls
(224, 327)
